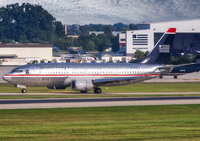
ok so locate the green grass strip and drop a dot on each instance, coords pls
(140, 87)
(174, 122)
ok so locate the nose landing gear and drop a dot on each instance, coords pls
(24, 90)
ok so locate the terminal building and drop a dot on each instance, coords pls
(186, 41)
(20, 54)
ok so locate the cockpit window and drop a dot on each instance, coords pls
(13, 70)
(17, 70)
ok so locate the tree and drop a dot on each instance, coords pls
(108, 32)
(181, 60)
(115, 43)
(131, 27)
(28, 23)
(101, 47)
(139, 54)
(91, 45)
(60, 43)
(146, 53)
(59, 30)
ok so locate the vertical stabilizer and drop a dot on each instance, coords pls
(161, 52)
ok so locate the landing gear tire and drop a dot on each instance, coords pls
(160, 76)
(97, 90)
(83, 91)
(24, 90)
(175, 77)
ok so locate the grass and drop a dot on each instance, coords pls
(175, 122)
(139, 87)
(156, 87)
(9, 88)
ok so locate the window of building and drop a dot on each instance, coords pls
(183, 42)
(140, 39)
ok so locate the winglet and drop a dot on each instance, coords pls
(171, 30)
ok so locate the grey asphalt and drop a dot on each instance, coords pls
(96, 102)
(70, 93)
(4, 70)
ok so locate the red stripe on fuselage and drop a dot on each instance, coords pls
(71, 75)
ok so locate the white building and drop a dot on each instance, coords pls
(116, 59)
(39, 51)
(115, 33)
(122, 42)
(187, 38)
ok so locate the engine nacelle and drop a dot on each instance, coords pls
(82, 85)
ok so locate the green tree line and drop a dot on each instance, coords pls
(27, 23)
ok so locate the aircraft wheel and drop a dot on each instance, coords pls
(83, 91)
(97, 90)
(160, 76)
(175, 77)
(24, 90)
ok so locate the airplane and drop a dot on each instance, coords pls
(86, 77)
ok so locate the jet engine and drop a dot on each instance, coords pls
(82, 85)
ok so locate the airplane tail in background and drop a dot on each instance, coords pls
(161, 52)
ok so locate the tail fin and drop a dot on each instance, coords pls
(161, 52)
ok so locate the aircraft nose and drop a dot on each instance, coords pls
(6, 78)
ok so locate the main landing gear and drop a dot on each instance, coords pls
(24, 90)
(97, 90)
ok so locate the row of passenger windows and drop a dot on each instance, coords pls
(82, 72)
(92, 72)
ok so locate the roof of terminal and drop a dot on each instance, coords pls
(25, 45)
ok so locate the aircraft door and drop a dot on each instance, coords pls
(145, 72)
(27, 71)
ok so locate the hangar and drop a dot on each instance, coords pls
(187, 38)
(40, 51)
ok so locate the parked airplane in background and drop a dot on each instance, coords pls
(85, 77)
(158, 57)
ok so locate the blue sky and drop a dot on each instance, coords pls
(114, 11)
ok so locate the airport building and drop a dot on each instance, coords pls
(187, 38)
(16, 52)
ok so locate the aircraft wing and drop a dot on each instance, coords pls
(120, 81)
(165, 69)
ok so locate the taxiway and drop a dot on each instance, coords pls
(96, 102)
